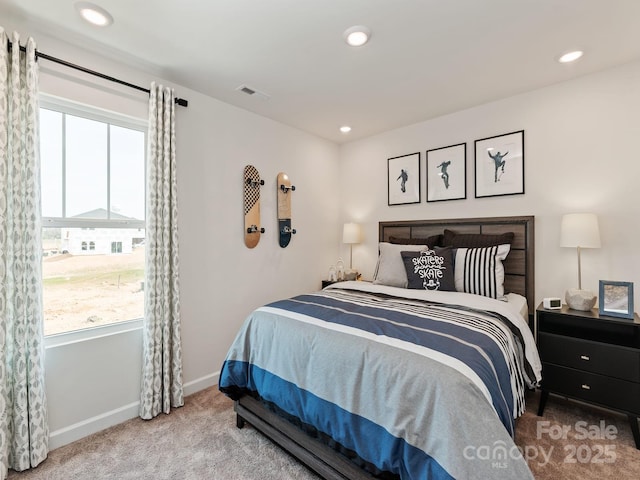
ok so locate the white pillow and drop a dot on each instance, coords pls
(390, 269)
(480, 270)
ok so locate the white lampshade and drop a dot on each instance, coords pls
(580, 230)
(351, 233)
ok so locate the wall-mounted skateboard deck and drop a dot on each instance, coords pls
(252, 229)
(284, 209)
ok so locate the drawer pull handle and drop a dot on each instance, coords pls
(586, 387)
(584, 357)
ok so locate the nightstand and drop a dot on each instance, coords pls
(591, 358)
(326, 283)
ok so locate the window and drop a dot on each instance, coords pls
(116, 247)
(93, 207)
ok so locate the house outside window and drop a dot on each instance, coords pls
(93, 207)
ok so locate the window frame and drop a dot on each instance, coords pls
(62, 105)
(57, 104)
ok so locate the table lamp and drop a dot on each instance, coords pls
(351, 234)
(580, 230)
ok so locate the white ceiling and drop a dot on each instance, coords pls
(426, 58)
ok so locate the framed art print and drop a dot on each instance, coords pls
(447, 173)
(615, 299)
(499, 165)
(403, 178)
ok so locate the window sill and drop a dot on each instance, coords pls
(92, 333)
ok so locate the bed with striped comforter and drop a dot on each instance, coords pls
(425, 385)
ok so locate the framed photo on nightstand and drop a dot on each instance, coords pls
(616, 299)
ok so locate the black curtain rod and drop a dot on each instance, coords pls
(179, 101)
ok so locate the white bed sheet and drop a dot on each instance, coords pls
(519, 304)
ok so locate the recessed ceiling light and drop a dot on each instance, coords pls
(94, 14)
(570, 56)
(357, 35)
(345, 129)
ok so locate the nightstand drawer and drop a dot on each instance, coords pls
(595, 357)
(592, 387)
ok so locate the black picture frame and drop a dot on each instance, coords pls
(403, 179)
(615, 299)
(499, 165)
(446, 173)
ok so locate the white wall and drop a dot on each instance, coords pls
(94, 383)
(581, 155)
(222, 280)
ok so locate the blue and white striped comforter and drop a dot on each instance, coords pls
(423, 389)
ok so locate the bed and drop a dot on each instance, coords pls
(376, 380)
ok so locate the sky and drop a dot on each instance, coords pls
(95, 156)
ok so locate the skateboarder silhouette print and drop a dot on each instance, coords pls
(499, 165)
(447, 173)
(403, 177)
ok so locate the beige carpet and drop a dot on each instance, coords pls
(598, 444)
(200, 441)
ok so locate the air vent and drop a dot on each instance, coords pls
(253, 92)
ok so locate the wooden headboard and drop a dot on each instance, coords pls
(520, 263)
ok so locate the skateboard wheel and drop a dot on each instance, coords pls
(293, 231)
(254, 183)
(262, 230)
(293, 187)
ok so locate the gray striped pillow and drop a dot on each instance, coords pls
(480, 270)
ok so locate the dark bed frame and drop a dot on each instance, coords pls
(519, 278)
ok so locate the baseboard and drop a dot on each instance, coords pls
(201, 383)
(66, 435)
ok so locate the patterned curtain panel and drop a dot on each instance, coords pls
(162, 362)
(24, 431)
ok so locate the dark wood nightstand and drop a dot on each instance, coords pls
(326, 283)
(591, 358)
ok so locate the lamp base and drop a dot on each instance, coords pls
(351, 274)
(583, 300)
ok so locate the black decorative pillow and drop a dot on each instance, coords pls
(475, 240)
(430, 270)
(432, 241)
